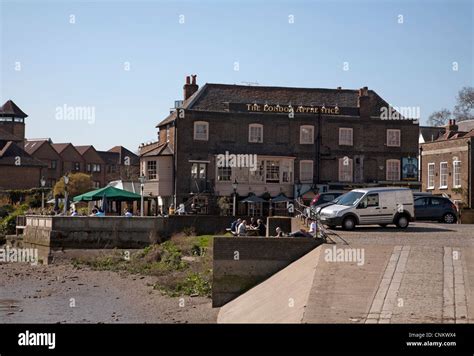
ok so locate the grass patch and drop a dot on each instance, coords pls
(181, 265)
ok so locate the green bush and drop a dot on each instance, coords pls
(8, 223)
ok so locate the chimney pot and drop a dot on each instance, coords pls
(193, 79)
(188, 79)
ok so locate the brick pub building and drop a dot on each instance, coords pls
(303, 138)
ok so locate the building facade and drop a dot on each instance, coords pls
(273, 141)
(447, 164)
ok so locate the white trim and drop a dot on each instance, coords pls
(440, 175)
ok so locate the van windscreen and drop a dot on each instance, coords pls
(350, 198)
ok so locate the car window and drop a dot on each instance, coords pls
(328, 197)
(436, 201)
(420, 202)
(370, 200)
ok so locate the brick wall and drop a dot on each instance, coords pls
(19, 177)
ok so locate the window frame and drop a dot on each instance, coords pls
(399, 138)
(255, 125)
(428, 186)
(347, 129)
(195, 136)
(310, 141)
(311, 164)
(458, 174)
(441, 186)
(148, 169)
(387, 164)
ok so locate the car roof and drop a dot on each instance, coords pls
(381, 189)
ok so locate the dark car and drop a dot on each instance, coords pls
(435, 208)
(323, 198)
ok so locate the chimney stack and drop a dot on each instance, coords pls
(190, 87)
(451, 126)
(363, 102)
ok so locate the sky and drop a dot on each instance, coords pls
(120, 65)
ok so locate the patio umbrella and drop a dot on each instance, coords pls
(104, 203)
(110, 193)
(281, 199)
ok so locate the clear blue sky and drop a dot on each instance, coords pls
(82, 64)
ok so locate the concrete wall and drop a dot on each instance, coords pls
(243, 262)
(109, 232)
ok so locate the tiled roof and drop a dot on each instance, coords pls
(431, 133)
(59, 147)
(10, 152)
(162, 149)
(215, 97)
(83, 149)
(31, 146)
(11, 109)
(465, 125)
(109, 158)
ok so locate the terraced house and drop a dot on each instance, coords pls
(302, 138)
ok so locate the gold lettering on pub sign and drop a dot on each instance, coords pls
(294, 109)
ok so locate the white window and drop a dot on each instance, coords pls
(393, 138)
(431, 176)
(201, 130)
(255, 133)
(224, 174)
(306, 135)
(457, 174)
(345, 136)
(273, 171)
(443, 175)
(151, 169)
(257, 176)
(345, 169)
(306, 171)
(393, 169)
(287, 171)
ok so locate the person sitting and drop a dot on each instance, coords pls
(74, 212)
(233, 227)
(127, 213)
(313, 228)
(100, 212)
(300, 233)
(94, 212)
(253, 223)
(242, 228)
(279, 232)
(262, 229)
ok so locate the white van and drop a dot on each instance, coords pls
(382, 206)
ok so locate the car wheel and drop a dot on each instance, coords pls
(402, 222)
(449, 218)
(383, 225)
(348, 223)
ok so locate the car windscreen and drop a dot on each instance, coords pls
(350, 198)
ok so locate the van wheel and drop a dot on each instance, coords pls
(449, 218)
(383, 225)
(348, 223)
(402, 222)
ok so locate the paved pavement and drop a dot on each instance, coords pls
(424, 274)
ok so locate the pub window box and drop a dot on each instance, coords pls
(306, 134)
(201, 131)
(255, 133)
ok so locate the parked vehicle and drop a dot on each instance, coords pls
(436, 208)
(383, 206)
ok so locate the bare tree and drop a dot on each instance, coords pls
(439, 118)
(464, 109)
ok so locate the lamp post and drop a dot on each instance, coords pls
(298, 188)
(142, 179)
(43, 183)
(66, 182)
(234, 186)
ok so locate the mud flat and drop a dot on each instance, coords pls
(61, 293)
